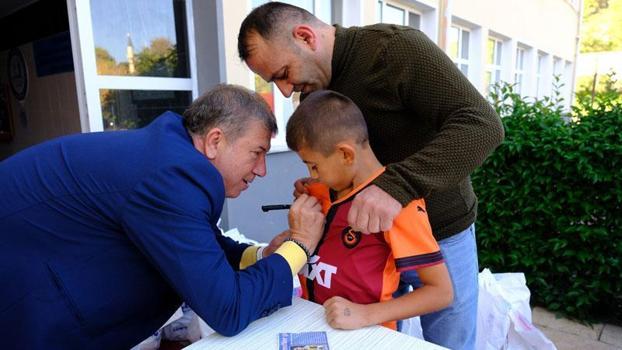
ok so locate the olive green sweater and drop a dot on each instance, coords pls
(426, 121)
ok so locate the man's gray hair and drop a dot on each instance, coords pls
(229, 107)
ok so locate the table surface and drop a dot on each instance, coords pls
(305, 316)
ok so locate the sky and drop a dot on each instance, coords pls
(145, 20)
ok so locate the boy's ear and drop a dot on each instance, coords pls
(212, 140)
(347, 153)
(306, 34)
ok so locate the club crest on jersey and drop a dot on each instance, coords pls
(350, 238)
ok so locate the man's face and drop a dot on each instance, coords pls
(291, 64)
(240, 160)
(332, 170)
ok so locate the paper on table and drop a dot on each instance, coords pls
(305, 316)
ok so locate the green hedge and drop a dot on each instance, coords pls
(550, 204)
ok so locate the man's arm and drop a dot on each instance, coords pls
(169, 218)
(470, 129)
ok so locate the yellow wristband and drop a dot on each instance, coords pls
(249, 257)
(293, 254)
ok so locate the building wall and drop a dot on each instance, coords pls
(549, 25)
(52, 104)
(524, 24)
(517, 22)
(50, 107)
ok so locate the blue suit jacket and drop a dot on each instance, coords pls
(102, 235)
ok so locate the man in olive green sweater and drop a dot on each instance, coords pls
(426, 122)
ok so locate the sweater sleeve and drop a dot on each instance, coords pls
(170, 217)
(468, 128)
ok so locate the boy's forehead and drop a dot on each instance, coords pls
(308, 155)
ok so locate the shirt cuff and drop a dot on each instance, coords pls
(249, 257)
(293, 254)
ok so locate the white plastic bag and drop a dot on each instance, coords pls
(187, 327)
(153, 342)
(504, 315)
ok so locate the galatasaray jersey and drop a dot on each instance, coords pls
(365, 268)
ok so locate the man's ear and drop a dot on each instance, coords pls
(306, 34)
(212, 140)
(347, 153)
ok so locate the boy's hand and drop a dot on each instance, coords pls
(373, 210)
(275, 243)
(300, 186)
(344, 314)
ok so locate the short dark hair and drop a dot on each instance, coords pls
(322, 120)
(229, 107)
(266, 20)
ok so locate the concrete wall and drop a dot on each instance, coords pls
(276, 187)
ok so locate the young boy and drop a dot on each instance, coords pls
(354, 275)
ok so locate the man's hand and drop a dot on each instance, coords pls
(344, 314)
(275, 243)
(306, 221)
(373, 210)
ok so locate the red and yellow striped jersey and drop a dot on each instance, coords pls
(365, 268)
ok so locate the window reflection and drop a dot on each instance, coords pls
(130, 109)
(140, 37)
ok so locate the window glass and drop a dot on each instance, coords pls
(453, 42)
(324, 10)
(518, 75)
(499, 52)
(487, 77)
(140, 38)
(393, 15)
(490, 51)
(130, 109)
(520, 54)
(465, 45)
(518, 81)
(414, 20)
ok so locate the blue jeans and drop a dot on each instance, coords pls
(454, 326)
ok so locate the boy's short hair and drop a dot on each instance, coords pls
(322, 120)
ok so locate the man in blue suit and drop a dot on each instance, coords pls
(102, 235)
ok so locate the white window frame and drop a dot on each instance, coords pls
(494, 67)
(540, 73)
(427, 15)
(89, 83)
(558, 69)
(519, 70)
(568, 84)
(406, 11)
(459, 61)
